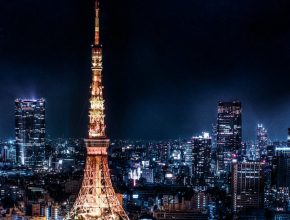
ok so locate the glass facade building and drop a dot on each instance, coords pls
(262, 140)
(201, 158)
(247, 184)
(229, 133)
(30, 131)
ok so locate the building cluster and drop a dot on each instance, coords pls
(213, 175)
(227, 177)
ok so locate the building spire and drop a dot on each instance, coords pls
(96, 113)
(97, 23)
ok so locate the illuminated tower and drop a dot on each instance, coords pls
(97, 199)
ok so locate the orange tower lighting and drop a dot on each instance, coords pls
(97, 199)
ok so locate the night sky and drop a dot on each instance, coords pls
(166, 64)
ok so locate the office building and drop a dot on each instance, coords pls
(201, 158)
(247, 185)
(229, 133)
(30, 131)
(188, 156)
(283, 170)
(288, 138)
(262, 140)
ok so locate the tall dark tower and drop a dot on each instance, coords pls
(229, 133)
(97, 198)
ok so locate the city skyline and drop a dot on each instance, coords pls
(210, 130)
(150, 95)
(155, 123)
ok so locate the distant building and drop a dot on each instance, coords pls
(30, 131)
(201, 157)
(247, 185)
(35, 209)
(214, 135)
(229, 133)
(277, 199)
(283, 170)
(164, 150)
(7, 152)
(262, 140)
(200, 201)
(188, 215)
(288, 138)
(188, 156)
(148, 174)
(56, 212)
(281, 165)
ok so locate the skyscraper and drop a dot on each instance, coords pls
(281, 165)
(282, 169)
(97, 198)
(188, 156)
(288, 138)
(247, 185)
(262, 140)
(30, 131)
(201, 158)
(229, 133)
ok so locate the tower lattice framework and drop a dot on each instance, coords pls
(97, 199)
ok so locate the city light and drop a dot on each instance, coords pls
(159, 120)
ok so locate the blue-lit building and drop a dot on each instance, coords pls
(201, 158)
(229, 133)
(283, 169)
(262, 140)
(247, 185)
(30, 131)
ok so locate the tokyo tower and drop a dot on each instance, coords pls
(97, 199)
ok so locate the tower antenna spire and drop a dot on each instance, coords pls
(97, 107)
(97, 23)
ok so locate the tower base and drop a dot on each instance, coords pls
(97, 199)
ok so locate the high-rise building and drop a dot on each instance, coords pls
(288, 138)
(262, 140)
(97, 198)
(247, 185)
(281, 165)
(30, 131)
(200, 200)
(7, 152)
(164, 150)
(283, 170)
(214, 134)
(229, 133)
(188, 156)
(201, 158)
(55, 212)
